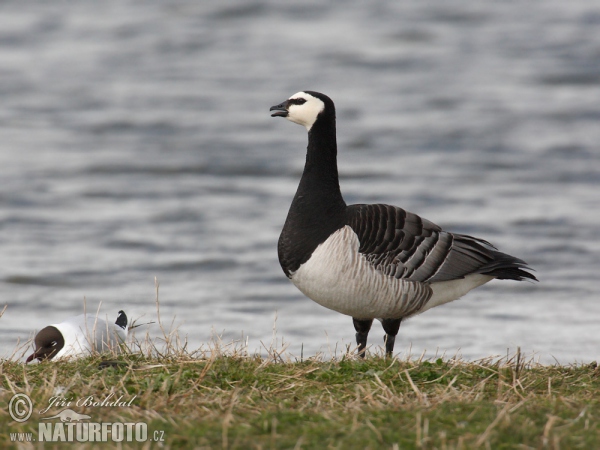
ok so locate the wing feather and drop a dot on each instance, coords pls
(403, 245)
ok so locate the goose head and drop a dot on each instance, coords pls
(304, 108)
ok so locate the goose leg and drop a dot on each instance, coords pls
(391, 327)
(362, 327)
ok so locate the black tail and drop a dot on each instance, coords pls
(506, 267)
(121, 320)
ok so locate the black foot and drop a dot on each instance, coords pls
(362, 327)
(391, 327)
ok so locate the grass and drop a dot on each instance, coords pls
(222, 397)
(221, 401)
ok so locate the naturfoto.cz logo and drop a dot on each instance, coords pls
(68, 425)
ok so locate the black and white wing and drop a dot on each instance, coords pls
(403, 245)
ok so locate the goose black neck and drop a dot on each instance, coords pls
(320, 177)
(318, 208)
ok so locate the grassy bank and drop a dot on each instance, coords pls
(219, 401)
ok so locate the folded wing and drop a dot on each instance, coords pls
(403, 245)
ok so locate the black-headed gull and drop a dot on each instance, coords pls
(79, 336)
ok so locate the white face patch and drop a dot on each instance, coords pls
(306, 113)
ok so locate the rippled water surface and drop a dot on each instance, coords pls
(137, 143)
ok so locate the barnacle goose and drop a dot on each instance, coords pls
(372, 261)
(79, 336)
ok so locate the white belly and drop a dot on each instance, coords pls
(85, 334)
(339, 278)
(447, 291)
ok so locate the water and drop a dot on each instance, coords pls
(137, 143)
